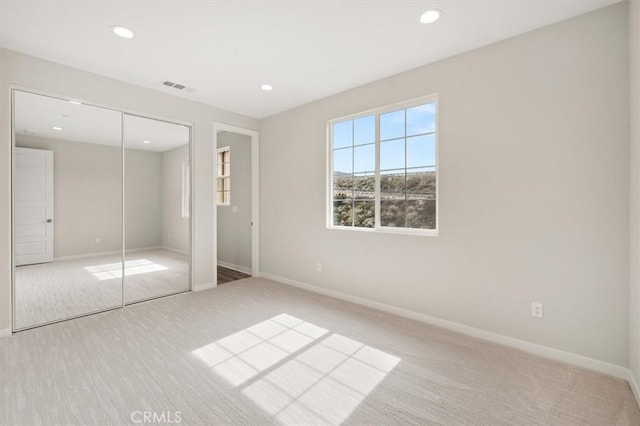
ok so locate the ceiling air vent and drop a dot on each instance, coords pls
(177, 86)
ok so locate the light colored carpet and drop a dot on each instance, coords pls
(155, 273)
(63, 289)
(258, 352)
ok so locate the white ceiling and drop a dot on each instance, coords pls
(162, 136)
(226, 49)
(36, 115)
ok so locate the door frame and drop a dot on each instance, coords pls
(255, 195)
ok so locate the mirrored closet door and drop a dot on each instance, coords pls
(67, 198)
(157, 208)
(101, 209)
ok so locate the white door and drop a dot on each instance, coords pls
(33, 206)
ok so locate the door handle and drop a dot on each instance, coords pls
(48, 221)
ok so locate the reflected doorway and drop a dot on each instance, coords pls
(67, 198)
(236, 203)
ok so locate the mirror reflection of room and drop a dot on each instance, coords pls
(157, 208)
(67, 209)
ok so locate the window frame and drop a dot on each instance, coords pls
(377, 112)
(222, 178)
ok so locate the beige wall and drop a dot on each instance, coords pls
(634, 49)
(175, 228)
(143, 198)
(26, 71)
(234, 228)
(87, 195)
(534, 192)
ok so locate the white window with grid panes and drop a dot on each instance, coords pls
(223, 188)
(383, 169)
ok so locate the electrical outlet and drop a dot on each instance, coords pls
(98, 240)
(319, 266)
(536, 310)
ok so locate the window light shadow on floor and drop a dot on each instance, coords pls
(131, 267)
(323, 383)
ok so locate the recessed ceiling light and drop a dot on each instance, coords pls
(146, 142)
(430, 16)
(57, 128)
(122, 31)
(76, 102)
(266, 87)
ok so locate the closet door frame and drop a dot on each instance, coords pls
(124, 207)
(12, 300)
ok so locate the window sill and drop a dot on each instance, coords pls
(385, 230)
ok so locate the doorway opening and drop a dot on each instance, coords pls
(236, 251)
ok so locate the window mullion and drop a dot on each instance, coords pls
(330, 203)
(353, 176)
(406, 201)
(377, 174)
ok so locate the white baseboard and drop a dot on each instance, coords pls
(5, 332)
(534, 348)
(108, 253)
(175, 250)
(633, 384)
(138, 250)
(86, 255)
(204, 286)
(238, 268)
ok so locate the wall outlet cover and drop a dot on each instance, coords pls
(536, 310)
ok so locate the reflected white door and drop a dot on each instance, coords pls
(33, 206)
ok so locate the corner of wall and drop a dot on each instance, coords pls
(634, 198)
